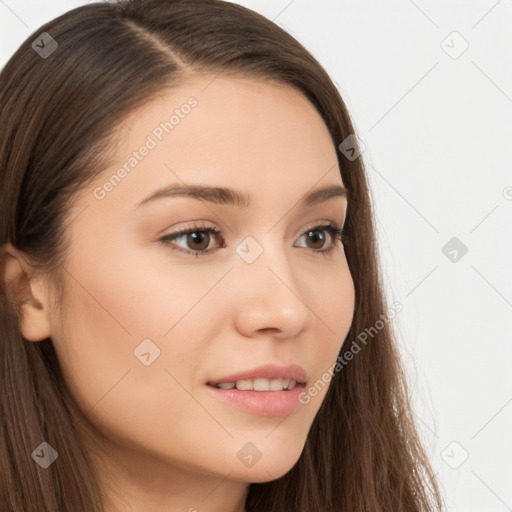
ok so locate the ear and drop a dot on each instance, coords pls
(27, 291)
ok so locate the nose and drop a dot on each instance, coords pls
(270, 296)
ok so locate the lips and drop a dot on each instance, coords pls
(262, 391)
(270, 371)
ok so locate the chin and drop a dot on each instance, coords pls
(266, 469)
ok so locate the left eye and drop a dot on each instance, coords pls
(318, 235)
(198, 238)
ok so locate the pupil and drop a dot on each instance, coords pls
(319, 236)
(198, 235)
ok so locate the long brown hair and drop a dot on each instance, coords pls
(59, 114)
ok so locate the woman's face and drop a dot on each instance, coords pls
(150, 325)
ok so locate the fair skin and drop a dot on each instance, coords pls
(161, 440)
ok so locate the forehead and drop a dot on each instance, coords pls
(253, 135)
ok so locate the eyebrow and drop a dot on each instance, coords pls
(227, 196)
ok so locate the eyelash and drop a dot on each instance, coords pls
(335, 232)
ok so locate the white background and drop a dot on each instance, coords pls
(437, 126)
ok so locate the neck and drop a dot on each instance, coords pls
(135, 481)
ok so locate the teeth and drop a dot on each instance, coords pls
(259, 384)
(227, 385)
(274, 384)
(262, 385)
(244, 385)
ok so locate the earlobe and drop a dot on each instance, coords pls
(27, 292)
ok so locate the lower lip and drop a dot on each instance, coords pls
(264, 403)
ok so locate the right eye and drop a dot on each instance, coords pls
(199, 243)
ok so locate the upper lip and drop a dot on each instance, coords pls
(268, 371)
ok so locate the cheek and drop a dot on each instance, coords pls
(333, 310)
(127, 400)
(125, 325)
(332, 305)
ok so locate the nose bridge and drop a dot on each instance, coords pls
(269, 296)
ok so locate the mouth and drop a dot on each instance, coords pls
(269, 377)
(260, 384)
(266, 391)
(277, 402)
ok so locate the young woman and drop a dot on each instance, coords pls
(192, 316)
